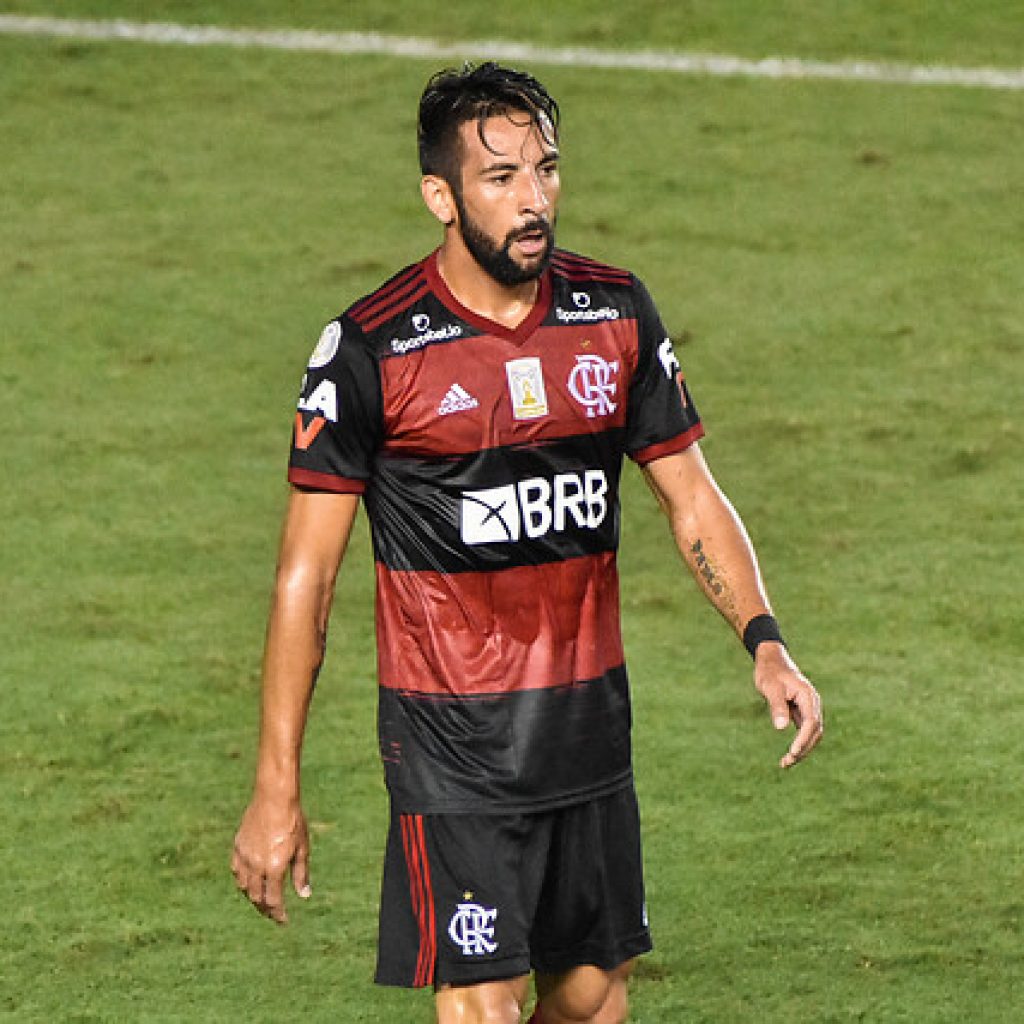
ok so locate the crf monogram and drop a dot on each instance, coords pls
(472, 929)
(593, 384)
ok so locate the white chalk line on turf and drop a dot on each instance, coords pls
(399, 46)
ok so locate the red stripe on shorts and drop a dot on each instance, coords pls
(429, 893)
(422, 893)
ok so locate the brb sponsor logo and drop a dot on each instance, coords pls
(424, 336)
(535, 507)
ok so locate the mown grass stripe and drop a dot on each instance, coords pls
(420, 48)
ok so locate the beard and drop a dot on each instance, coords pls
(496, 259)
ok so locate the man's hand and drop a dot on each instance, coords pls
(271, 840)
(791, 699)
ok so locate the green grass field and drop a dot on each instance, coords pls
(841, 266)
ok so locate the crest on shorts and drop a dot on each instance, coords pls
(472, 929)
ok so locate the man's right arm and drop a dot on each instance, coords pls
(273, 838)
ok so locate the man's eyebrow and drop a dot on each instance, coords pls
(498, 166)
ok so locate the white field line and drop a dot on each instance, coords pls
(400, 46)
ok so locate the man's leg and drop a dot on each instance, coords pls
(584, 995)
(491, 1002)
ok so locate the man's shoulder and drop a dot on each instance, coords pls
(404, 315)
(575, 268)
(390, 299)
(586, 290)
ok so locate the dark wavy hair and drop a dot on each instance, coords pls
(451, 98)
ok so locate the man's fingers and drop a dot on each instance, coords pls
(778, 708)
(300, 872)
(797, 716)
(273, 900)
(262, 891)
(807, 715)
(254, 888)
(265, 894)
(270, 844)
(236, 867)
(801, 746)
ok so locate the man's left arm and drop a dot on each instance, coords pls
(715, 546)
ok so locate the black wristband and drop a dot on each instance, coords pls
(759, 629)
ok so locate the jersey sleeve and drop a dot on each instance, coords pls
(661, 418)
(338, 422)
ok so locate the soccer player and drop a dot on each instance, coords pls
(480, 404)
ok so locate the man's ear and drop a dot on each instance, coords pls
(437, 194)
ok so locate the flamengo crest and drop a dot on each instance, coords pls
(472, 929)
(593, 384)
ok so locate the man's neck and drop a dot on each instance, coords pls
(508, 305)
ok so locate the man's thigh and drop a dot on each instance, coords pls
(458, 898)
(472, 899)
(592, 909)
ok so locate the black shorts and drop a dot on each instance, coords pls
(468, 898)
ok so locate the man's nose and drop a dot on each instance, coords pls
(532, 197)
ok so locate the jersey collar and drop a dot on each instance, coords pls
(518, 334)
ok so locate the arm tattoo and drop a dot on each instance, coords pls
(705, 569)
(715, 582)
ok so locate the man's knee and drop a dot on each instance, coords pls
(616, 1005)
(586, 995)
(491, 1002)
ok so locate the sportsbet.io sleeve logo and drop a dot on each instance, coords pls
(535, 507)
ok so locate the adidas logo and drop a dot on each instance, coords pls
(458, 399)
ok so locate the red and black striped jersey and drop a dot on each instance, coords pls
(489, 463)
